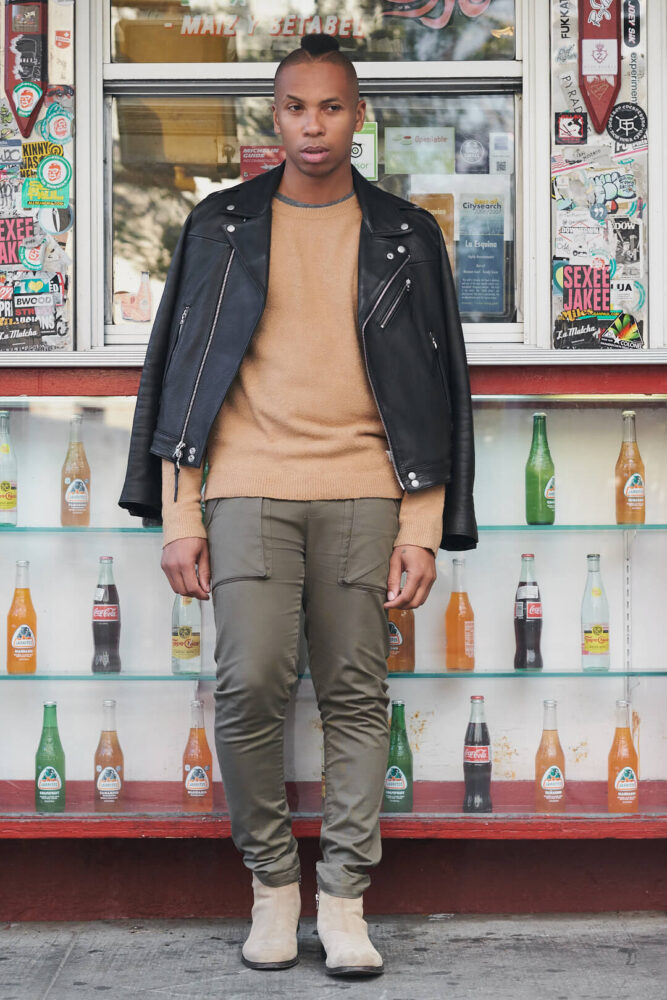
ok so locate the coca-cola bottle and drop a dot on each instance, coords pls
(528, 617)
(106, 621)
(477, 760)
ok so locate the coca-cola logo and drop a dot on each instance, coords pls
(105, 613)
(476, 755)
(534, 609)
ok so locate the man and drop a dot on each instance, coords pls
(308, 342)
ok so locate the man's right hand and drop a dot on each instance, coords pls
(186, 565)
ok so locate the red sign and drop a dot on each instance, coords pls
(476, 755)
(105, 613)
(533, 609)
(599, 57)
(256, 159)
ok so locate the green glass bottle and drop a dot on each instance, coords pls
(50, 765)
(540, 479)
(398, 779)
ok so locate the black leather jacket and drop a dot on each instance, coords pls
(409, 329)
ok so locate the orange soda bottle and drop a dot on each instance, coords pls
(197, 765)
(623, 775)
(401, 659)
(75, 480)
(109, 763)
(549, 765)
(459, 624)
(630, 476)
(22, 626)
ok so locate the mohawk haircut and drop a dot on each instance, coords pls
(319, 48)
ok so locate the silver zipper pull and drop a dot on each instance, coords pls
(317, 900)
(178, 451)
(433, 340)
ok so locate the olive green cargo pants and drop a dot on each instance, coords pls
(270, 558)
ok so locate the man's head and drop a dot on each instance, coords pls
(316, 106)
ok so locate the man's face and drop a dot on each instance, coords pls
(316, 112)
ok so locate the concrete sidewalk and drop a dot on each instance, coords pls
(608, 957)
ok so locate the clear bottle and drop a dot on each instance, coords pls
(459, 623)
(8, 473)
(186, 636)
(630, 476)
(550, 765)
(50, 765)
(197, 778)
(594, 619)
(623, 772)
(75, 480)
(398, 779)
(540, 476)
(22, 626)
(109, 763)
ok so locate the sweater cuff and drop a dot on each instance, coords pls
(420, 518)
(183, 518)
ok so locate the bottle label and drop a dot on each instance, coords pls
(518, 609)
(553, 783)
(395, 638)
(595, 639)
(109, 784)
(395, 784)
(533, 609)
(23, 642)
(4, 448)
(529, 591)
(469, 638)
(634, 490)
(550, 493)
(7, 494)
(49, 784)
(477, 755)
(626, 784)
(196, 781)
(185, 644)
(76, 496)
(106, 613)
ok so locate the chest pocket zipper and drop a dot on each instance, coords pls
(181, 324)
(405, 288)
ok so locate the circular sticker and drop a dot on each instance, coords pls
(472, 151)
(26, 96)
(31, 254)
(59, 127)
(54, 171)
(627, 123)
(55, 220)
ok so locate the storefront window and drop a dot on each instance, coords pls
(453, 155)
(195, 31)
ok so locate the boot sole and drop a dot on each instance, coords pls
(352, 970)
(269, 966)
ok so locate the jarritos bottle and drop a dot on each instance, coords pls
(186, 636)
(109, 764)
(540, 478)
(50, 765)
(398, 779)
(623, 774)
(477, 762)
(459, 624)
(401, 624)
(197, 780)
(8, 474)
(106, 621)
(630, 476)
(75, 481)
(550, 766)
(528, 617)
(22, 626)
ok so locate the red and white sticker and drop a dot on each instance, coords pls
(476, 755)
(105, 613)
(533, 609)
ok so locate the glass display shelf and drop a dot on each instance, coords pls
(11, 529)
(416, 675)
(544, 528)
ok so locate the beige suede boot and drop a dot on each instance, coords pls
(343, 933)
(271, 943)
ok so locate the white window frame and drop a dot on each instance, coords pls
(524, 343)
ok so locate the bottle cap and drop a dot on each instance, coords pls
(622, 704)
(593, 555)
(77, 418)
(399, 703)
(195, 703)
(628, 413)
(477, 697)
(540, 413)
(527, 555)
(22, 562)
(50, 704)
(550, 703)
(109, 702)
(106, 558)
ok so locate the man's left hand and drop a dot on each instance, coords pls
(419, 566)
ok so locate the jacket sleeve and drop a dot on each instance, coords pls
(459, 527)
(142, 490)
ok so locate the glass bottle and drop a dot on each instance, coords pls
(50, 765)
(398, 779)
(109, 764)
(477, 762)
(594, 619)
(22, 626)
(401, 624)
(197, 765)
(8, 473)
(75, 480)
(528, 618)
(459, 623)
(549, 765)
(540, 478)
(623, 772)
(630, 476)
(106, 621)
(186, 636)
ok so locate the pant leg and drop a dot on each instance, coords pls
(349, 543)
(257, 570)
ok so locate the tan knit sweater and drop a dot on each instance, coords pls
(299, 421)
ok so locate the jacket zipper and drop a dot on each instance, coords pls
(370, 380)
(405, 288)
(184, 316)
(178, 450)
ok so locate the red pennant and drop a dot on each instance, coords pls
(599, 57)
(26, 59)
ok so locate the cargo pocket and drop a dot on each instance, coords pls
(369, 530)
(239, 538)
